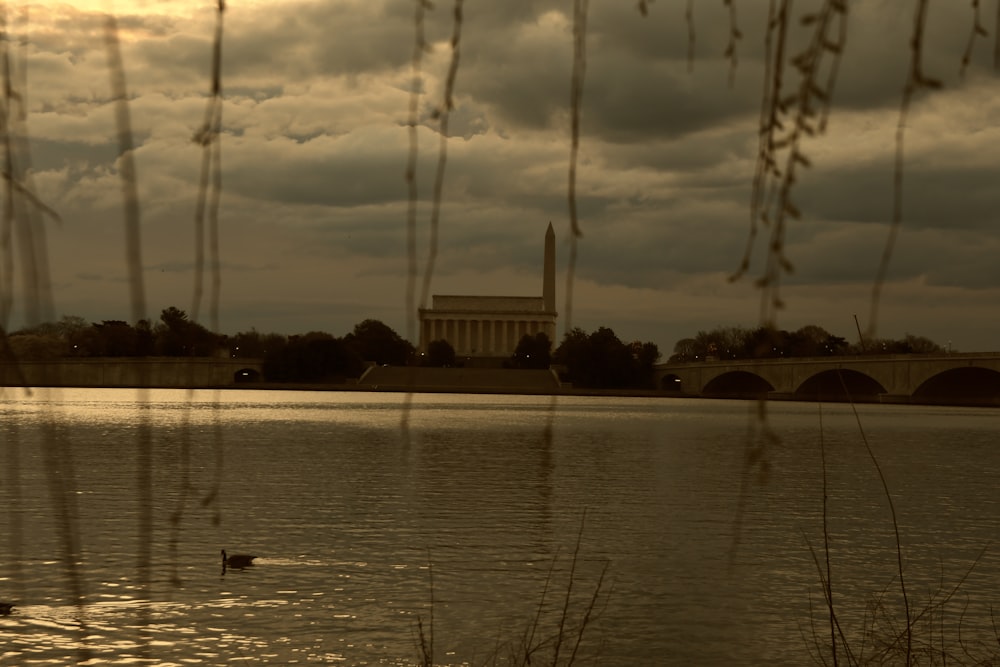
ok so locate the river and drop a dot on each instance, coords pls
(673, 531)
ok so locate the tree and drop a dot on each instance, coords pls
(376, 342)
(116, 339)
(533, 351)
(440, 353)
(177, 336)
(573, 354)
(313, 357)
(684, 351)
(644, 357)
(921, 345)
(601, 360)
(254, 345)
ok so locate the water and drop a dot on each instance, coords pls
(362, 528)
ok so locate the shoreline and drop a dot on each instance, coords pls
(521, 391)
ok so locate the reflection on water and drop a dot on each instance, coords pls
(359, 530)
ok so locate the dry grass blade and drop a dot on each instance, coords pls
(828, 579)
(892, 512)
(426, 640)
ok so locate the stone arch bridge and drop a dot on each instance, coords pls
(966, 378)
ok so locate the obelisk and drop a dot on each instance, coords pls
(549, 277)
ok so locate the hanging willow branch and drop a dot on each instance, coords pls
(915, 82)
(443, 114)
(576, 101)
(208, 137)
(787, 120)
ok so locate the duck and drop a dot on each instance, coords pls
(6, 608)
(237, 561)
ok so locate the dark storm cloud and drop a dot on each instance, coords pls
(309, 39)
(315, 145)
(951, 197)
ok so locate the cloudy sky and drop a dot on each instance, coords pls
(314, 207)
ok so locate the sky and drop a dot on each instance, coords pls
(313, 216)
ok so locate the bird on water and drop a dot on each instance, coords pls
(237, 561)
(6, 608)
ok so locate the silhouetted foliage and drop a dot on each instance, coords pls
(145, 339)
(601, 360)
(439, 353)
(313, 357)
(116, 339)
(374, 341)
(176, 336)
(254, 345)
(533, 351)
(809, 341)
(644, 356)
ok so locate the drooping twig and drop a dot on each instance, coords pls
(996, 40)
(133, 259)
(689, 20)
(419, 48)
(735, 35)
(777, 20)
(787, 120)
(443, 114)
(208, 137)
(916, 81)
(977, 30)
(126, 169)
(24, 212)
(576, 102)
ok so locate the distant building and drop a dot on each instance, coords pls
(492, 326)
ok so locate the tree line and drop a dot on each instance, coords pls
(809, 341)
(596, 360)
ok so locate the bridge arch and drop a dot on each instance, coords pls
(961, 385)
(737, 383)
(840, 384)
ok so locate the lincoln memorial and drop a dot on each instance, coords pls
(492, 326)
